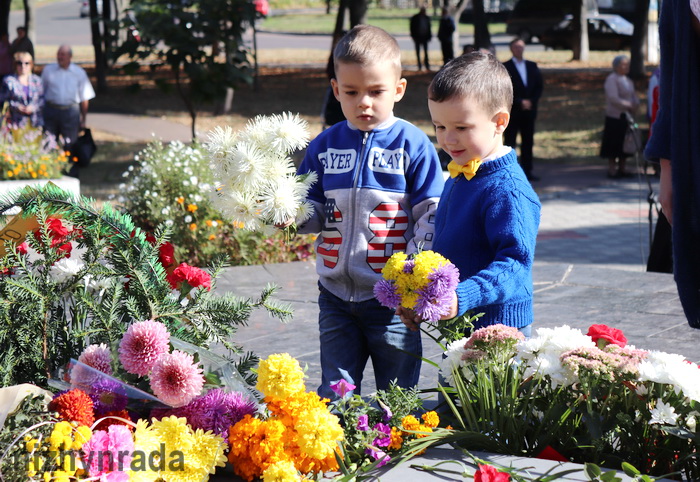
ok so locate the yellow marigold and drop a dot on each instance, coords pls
(394, 266)
(294, 407)
(180, 200)
(282, 471)
(431, 419)
(193, 227)
(60, 476)
(396, 439)
(318, 433)
(280, 376)
(409, 422)
(192, 207)
(409, 300)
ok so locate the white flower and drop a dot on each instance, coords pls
(194, 180)
(672, 369)
(279, 200)
(663, 414)
(169, 222)
(240, 207)
(290, 132)
(188, 219)
(65, 268)
(452, 360)
(692, 421)
(541, 354)
(165, 211)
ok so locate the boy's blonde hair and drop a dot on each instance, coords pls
(367, 45)
(477, 75)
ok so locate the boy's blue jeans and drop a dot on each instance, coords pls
(351, 333)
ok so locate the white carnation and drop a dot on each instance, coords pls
(65, 269)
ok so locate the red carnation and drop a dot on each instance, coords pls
(23, 248)
(74, 406)
(166, 254)
(193, 276)
(110, 420)
(488, 473)
(58, 233)
(603, 335)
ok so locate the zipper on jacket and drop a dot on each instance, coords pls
(353, 200)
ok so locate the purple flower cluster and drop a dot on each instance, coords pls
(216, 411)
(434, 300)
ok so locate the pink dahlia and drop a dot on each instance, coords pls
(143, 343)
(176, 379)
(98, 357)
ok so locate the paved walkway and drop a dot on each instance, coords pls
(590, 264)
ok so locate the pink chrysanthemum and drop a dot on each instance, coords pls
(143, 343)
(98, 357)
(176, 379)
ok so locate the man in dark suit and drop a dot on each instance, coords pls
(421, 34)
(527, 89)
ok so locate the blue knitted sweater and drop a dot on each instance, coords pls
(488, 228)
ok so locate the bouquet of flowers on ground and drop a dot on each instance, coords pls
(26, 153)
(424, 282)
(583, 397)
(296, 434)
(380, 428)
(70, 439)
(256, 183)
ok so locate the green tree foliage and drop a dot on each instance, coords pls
(51, 307)
(201, 41)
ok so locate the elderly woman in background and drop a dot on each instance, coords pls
(620, 100)
(24, 93)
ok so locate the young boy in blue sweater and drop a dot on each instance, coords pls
(487, 219)
(379, 181)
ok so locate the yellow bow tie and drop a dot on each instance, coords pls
(469, 169)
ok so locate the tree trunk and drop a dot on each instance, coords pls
(100, 61)
(580, 22)
(482, 37)
(639, 37)
(108, 19)
(340, 18)
(29, 18)
(358, 12)
(5, 17)
(187, 100)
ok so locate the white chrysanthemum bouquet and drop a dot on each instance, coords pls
(256, 182)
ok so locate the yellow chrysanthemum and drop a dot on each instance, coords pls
(60, 476)
(409, 300)
(60, 438)
(431, 419)
(30, 444)
(394, 266)
(207, 452)
(174, 433)
(282, 471)
(280, 376)
(318, 433)
(81, 435)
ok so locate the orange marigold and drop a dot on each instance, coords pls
(396, 439)
(431, 419)
(255, 445)
(411, 423)
(74, 406)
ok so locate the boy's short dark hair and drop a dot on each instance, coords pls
(366, 45)
(479, 76)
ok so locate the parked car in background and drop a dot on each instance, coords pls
(605, 32)
(85, 8)
(532, 18)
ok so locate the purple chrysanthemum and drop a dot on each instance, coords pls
(444, 278)
(408, 266)
(386, 294)
(431, 305)
(143, 343)
(216, 411)
(108, 396)
(176, 379)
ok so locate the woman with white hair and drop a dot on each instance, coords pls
(620, 101)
